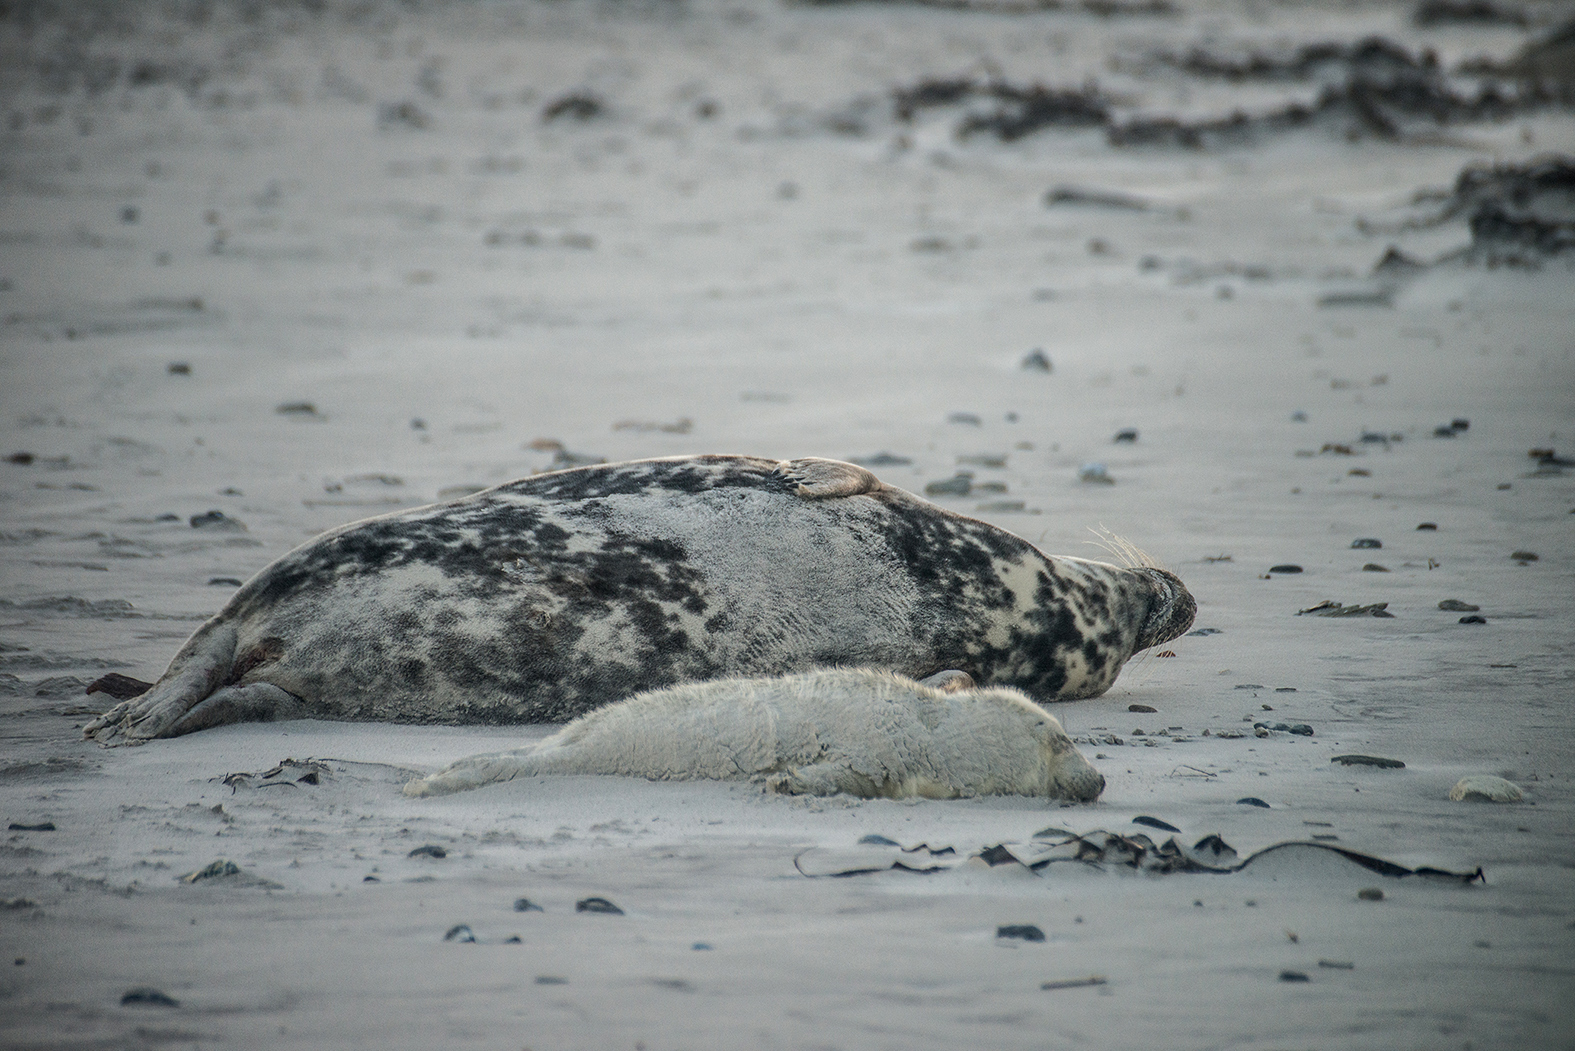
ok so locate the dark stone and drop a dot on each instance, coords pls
(1141, 708)
(526, 905)
(601, 905)
(460, 932)
(1253, 801)
(1127, 434)
(1473, 618)
(1366, 542)
(1286, 568)
(146, 996)
(1024, 931)
(43, 826)
(1427, 526)
(179, 368)
(877, 841)
(1154, 822)
(121, 687)
(581, 106)
(1037, 361)
(429, 850)
(1293, 976)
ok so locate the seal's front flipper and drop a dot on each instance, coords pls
(823, 779)
(257, 702)
(471, 773)
(817, 479)
(949, 681)
(198, 669)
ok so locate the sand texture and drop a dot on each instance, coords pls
(266, 269)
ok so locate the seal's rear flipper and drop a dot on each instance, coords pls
(198, 669)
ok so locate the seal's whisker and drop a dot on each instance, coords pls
(1125, 553)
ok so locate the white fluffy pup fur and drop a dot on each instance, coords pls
(867, 733)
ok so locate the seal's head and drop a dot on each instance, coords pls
(1171, 608)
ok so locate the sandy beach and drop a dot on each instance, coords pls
(268, 269)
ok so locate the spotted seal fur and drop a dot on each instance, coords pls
(544, 598)
(867, 733)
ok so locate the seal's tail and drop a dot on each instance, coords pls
(202, 666)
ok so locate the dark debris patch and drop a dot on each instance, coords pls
(1368, 760)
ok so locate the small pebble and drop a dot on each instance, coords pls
(1096, 472)
(513, 939)
(1299, 729)
(217, 520)
(968, 418)
(1374, 567)
(1154, 822)
(146, 996)
(179, 368)
(700, 947)
(1524, 556)
(1286, 568)
(299, 409)
(1025, 931)
(1370, 894)
(460, 932)
(1253, 801)
(215, 869)
(1473, 618)
(877, 841)
(960, 484)
(1367, 542)
(224, 582)
(601, 905)
(1337, 965)
(429, 850)
(43, 826)
(1293, 976)
(526, 905)
(1126, 434)
(1431, 527)
(1368, 760)
(1460, 423)
(1298, 416)
(1141, 708)
(1483, 788)
(1454, 605)
(1037, 361)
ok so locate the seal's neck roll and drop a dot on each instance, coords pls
(1171, 611)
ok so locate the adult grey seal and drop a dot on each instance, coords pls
(544, 598)
(867, 733)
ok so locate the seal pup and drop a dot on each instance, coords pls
(867, 733)
(541, 599)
